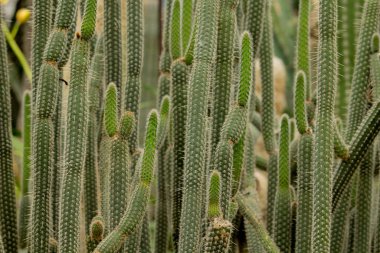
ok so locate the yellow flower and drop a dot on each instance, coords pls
(22, 15)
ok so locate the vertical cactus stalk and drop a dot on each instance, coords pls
(42, 17)
(218, 233)
(91, 173)
(76, 135)
(96, 232)
(43, 130)
(112, 45)
(324, 132)
(135, 44)
(254, 22)
(283, 213)
(222, 80)
(8, 217)
(196, 137)
(186, 23)
(25, 199)
(175, 31)
(133, 216)
(303, 47)
(375, 65)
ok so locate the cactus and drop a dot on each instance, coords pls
(175, 31)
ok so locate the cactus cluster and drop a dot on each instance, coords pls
(196, 182)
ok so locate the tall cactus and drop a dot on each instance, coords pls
(324, 138)
(195, 149)
(76, 135)
(8, 221)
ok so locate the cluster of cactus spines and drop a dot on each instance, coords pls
(76, 135)
(282, 212)
(134, 63)
(8, 221)
(112, 45)
(135, 212)
(224, 68)
(324, 131)
(43, 127)
(303, 47)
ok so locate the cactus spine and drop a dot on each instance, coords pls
(76, 135)
(8, 221)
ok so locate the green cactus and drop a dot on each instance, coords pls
(300, 106)
(283, 214)
(96, 232)
(112, 45)
(175, 31)
(256, 11)
(186, 22)
(375, 65)
(134, 63)
(8, 217)
(340, 148)
(134, 214)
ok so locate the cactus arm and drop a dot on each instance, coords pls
(223, 76)
(254, 22)
(112, 45)
(365, 134)
(305, 197)
(111, 110)
(299, 106)
(135, 212)
(303, 46)
(282, 221)
(175, 31)
(340, 147)
(186, 22)
(218, 235)
(263, 235)
(163, 127)
(358, 101)
(96, 232)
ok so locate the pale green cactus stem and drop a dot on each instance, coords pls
(196, 138)
(165, 58)
(186, 22)
(25, 200)
(91, 173)
(135, 212)
(8, 216)
(134, 47)
(283, 214)
(42, 20)
(303, 45)
(175, 31)
(179, 88)
(43, 130)
(76, 135)
(366, 133)
(112, 45)
(254, 22)
(300, 106)
(223, 78)
(360, 81)
(265, 239)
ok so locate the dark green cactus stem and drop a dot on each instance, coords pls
(42, 17)
(112, 45)
(218, 235)
(163, 127)
(272, 189)
(366, 133)
(135, 212)
(340, 148)
(223, 76)
(300, 106)
(305, 194)
(175, 31)
(283, 213)
(96, 232)
(214, 196)
(145, 236)
(362, 234)
(111, 110)
(303, 45)
(263, 236)
(165, 58)
(186, 22)
(43, 135)
(104, 168)
(254, 22)
(23, 215)
(196, 126)
(135, 43)
(324, 131)
(375, 65)
(360, 82)
(91, 172)
(237, 164)
(8, 216)
(266, 63)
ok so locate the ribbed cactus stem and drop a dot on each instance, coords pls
(175, 31)
(283, 214)
(303, 46)
(254, 22)
(134, 47)
(366, 133)
(135, 212)
(112, 45)
(218, 235)
(360, 82)
(196, 138)
(8, 218)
